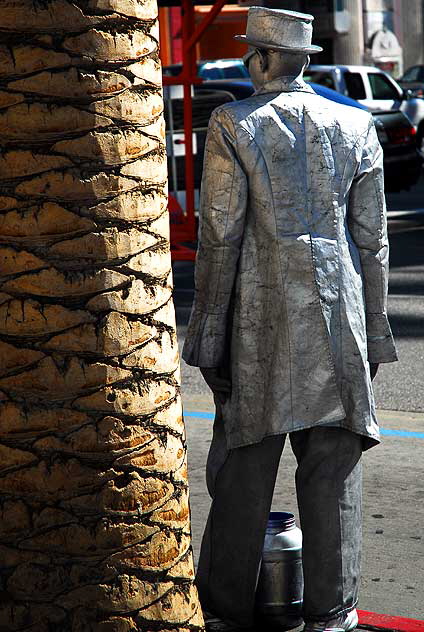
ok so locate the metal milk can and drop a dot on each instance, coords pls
(279, 594)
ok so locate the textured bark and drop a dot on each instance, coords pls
(94, 518)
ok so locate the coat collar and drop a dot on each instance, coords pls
(284, 84)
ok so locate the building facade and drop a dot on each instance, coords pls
(385, 33)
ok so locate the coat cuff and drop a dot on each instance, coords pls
(381, 346)
(205, 343)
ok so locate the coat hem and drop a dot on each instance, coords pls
(369, 440)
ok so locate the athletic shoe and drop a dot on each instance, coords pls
(343, 623)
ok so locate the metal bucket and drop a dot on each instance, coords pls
(279, 594)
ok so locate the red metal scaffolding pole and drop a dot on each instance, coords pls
(187, 78)
(189, 71)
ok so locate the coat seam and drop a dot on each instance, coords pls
(281, 276)
(327, 344)
(226, 227)
(381, 214)
(359, 138)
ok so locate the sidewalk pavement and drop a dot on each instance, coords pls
(393, 555)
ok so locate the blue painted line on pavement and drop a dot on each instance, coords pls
(384, 431)
(402, 433)
(189, 413)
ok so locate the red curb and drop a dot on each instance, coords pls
(374, 621)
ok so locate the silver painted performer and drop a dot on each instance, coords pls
(289, 322)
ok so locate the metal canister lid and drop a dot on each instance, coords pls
(281, 520)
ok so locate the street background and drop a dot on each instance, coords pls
(393, 558)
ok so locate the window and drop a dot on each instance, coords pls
(323, 78)
(354, 85)
(411, 74)
(208, 71)
(235, 72)
(223, 69)
(382, 88)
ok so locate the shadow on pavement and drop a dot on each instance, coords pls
(406, 242)
(183, 272)
(407, 325)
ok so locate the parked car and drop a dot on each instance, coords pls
(413, 80)
(373, 88)
(213, 69)
(402, 162)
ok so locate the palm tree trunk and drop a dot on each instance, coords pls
(94, 517)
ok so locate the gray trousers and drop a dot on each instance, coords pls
(329, 494)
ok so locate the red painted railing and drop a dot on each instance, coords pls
(184, 230)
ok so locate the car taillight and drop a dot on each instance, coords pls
(400, 135)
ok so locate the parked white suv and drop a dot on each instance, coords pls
(372, 87)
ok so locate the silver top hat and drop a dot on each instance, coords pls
(278, 29)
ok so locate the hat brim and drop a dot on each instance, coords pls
(309, 50)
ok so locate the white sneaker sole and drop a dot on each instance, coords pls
(348, 624)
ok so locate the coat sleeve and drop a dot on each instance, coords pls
(368, 227)
(222, 213)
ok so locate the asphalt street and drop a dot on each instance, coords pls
(399, 386)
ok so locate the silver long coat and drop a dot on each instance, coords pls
(292, 266)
